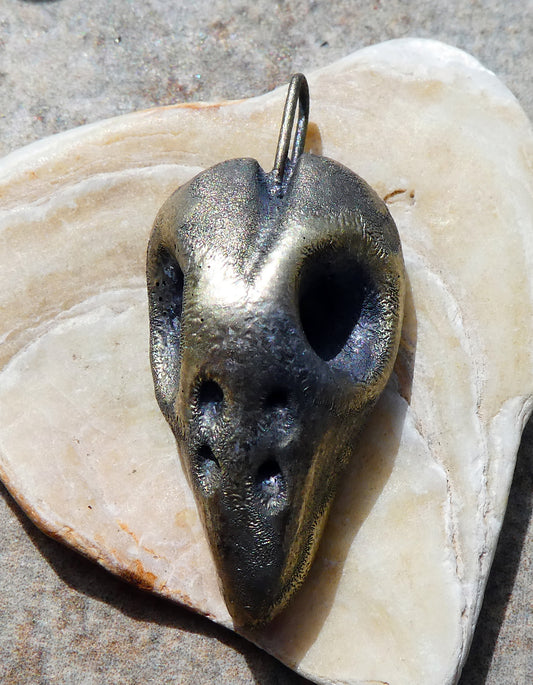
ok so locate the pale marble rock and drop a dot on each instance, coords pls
(394, 593)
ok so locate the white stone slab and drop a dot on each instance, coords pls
(395, 591)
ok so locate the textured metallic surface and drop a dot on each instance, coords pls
(275, 317)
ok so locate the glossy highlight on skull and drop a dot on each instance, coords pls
(275, 321)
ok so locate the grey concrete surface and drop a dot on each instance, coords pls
(68, 62)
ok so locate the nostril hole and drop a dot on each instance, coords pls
(271, 487)
(209, 472)
(280, 415)
(278, 398)
(269, 478)
(210, 396)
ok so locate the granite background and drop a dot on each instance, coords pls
(67, 62)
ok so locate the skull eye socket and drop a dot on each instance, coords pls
(167, 290)
(332, 293)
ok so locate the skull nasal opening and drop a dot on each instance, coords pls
(207, 399)
(207, 402)
(210, 396)
(208, 470)
(271, 489)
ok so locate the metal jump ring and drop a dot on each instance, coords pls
(298, 94)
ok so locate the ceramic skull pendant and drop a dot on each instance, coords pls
(276, 302)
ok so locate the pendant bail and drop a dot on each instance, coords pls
(298, 94)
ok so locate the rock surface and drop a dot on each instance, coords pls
(406, 554)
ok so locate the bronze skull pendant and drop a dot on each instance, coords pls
(276, 302)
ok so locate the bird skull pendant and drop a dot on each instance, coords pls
(276, 302)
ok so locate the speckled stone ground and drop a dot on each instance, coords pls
(68, 62)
